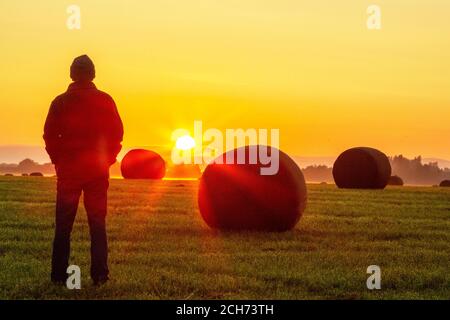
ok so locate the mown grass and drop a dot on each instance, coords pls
(161, 249)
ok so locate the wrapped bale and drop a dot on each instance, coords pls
(395, 181)
(36, 174)
(237, 197)
(445, 183)
(362, 168)
(142, 164)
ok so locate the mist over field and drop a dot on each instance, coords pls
(417, 171)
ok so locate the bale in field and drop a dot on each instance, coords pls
(36, 174)
(142, 164)
(362, 168)
(237, 197)
(395, 181)
(445, 183)
(184, 171)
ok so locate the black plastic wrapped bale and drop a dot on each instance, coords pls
(395, 181)
(36, 174)
(362, 168)
(445, 183)
(238, 197)
(142, 164)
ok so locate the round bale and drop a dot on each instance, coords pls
(236, 196)
(445, 183)
(395, 181)
(362, 168)
(142, 164)
(36, 174)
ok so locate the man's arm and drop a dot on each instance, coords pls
(115, 133)
(52, 134)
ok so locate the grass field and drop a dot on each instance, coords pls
(161, 249)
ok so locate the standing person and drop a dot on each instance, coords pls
(83, 134)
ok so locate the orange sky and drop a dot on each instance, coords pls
(310, 68)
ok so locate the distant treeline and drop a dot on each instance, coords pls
(411, 171)
(27, 166)
(414, 172)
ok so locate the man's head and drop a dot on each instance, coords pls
(82, 69)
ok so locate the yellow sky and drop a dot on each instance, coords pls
(310, 68)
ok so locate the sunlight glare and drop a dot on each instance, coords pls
(185, 143)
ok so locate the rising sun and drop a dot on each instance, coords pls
(185, 143)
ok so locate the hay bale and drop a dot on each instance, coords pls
(445, 183)
(184, 171)
(362, 168)
(36, 174)
(238, 197)
(395, 181)
(142, 164)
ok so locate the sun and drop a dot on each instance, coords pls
(185, 142)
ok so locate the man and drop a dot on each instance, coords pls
(83, 134)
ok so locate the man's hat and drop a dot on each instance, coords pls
(82, 69)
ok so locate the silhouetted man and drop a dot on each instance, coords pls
(83, 134)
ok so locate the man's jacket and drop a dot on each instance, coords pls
(83, 131)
